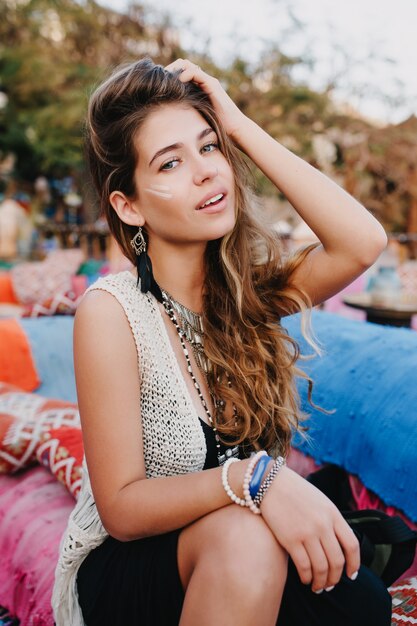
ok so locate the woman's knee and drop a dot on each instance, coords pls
(242, 543)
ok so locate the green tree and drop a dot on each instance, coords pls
(51, 54)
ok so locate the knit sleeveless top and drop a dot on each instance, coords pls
(173, 440)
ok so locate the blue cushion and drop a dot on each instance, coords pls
(51, 342)
(369, 375)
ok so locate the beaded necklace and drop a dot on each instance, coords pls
(170, 310)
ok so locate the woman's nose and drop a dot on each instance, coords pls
(205, 171)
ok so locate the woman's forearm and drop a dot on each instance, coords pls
(341, 223)
(158, 505)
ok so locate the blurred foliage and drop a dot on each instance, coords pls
(53, 52)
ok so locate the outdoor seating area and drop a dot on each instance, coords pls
(247, 161)
(365, 378)
(370, 432)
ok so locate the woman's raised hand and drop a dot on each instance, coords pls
(227, 111)
(311, 529)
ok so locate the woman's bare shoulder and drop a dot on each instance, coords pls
(101, 319)
(99, 306)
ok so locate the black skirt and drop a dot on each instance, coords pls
(132, 583)
(137, 583)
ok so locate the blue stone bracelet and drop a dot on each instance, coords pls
(258, 474)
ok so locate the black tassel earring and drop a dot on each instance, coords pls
(144, 266)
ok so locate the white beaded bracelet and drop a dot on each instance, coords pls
(246, 482)
(225, 481)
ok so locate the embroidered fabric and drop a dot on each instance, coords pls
(173, 439)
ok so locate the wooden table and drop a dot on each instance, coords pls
(393, 314)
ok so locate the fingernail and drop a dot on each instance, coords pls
(329, 588)
(319, 591)
(354, 576)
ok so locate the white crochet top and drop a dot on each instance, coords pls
(173, 439)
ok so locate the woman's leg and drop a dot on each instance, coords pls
(232, 569)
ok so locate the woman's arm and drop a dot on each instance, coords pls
(351, 238)
(107, 377)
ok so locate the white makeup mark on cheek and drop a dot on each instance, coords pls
(160, 187)
(160, 190)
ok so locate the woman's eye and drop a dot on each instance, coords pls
(170, 165)
(213, 145)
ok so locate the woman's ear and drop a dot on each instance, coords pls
(125, 209)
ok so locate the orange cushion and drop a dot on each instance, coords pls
(61, 451)
(7, 294)
(24, 417)
(17, 366)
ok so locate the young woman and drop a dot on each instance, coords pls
(185, 375)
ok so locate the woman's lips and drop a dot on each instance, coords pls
(210, 195)
(215, 207)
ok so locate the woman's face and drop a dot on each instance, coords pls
(180, 167)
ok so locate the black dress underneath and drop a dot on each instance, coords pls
(137, 583)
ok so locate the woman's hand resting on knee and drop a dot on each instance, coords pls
(312, 530)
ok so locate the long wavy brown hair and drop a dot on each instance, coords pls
(248, 280)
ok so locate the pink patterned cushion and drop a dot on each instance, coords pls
(34, 510)
(38, 282)
(60, 304)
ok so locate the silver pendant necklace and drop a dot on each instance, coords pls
(191, 324)
(170, 310)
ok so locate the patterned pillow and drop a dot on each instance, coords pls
(61, 303)
(404, 602)
(39, 281)
(23, 419)
(61, 450)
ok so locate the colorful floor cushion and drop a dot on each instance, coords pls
(404, 602)
(37, 282)
(23, 419)
(61, 303)
(17, 366)
(61, 451)
(34, 511)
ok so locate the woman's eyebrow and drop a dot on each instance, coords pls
(175, 146)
